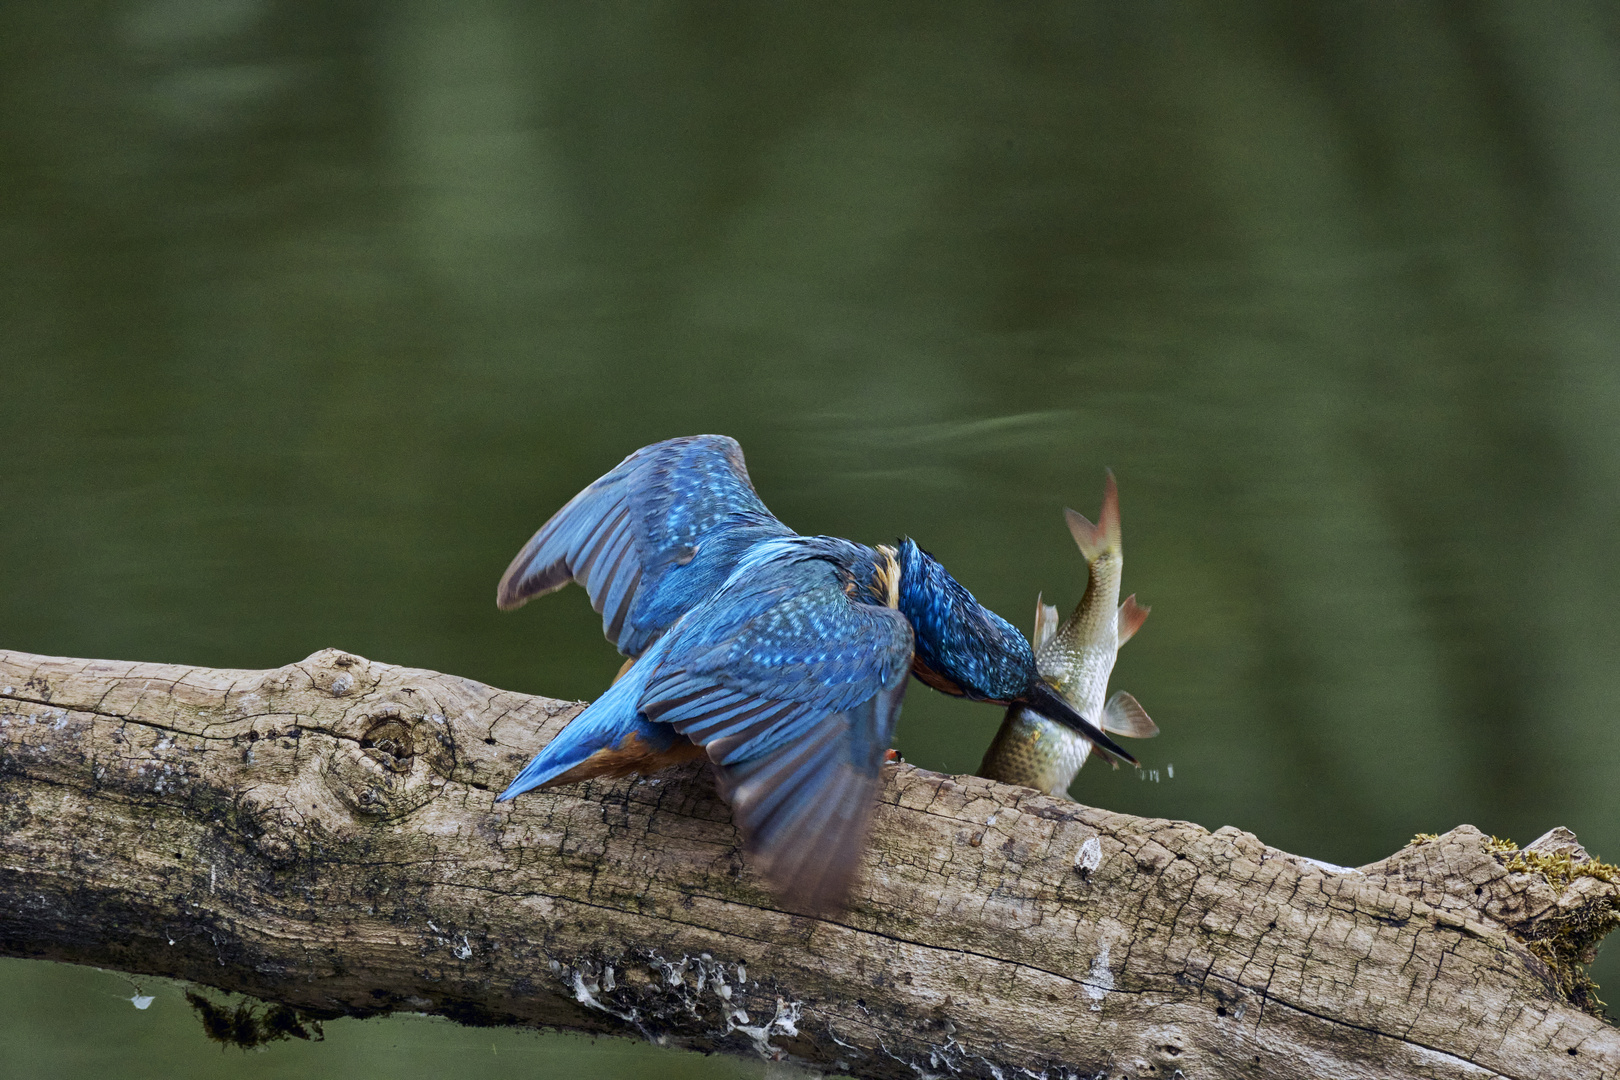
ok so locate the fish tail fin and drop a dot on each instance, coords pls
(1046, 622)
(1103, 537)
(1131, 617)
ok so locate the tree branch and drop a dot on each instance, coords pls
(324, 835)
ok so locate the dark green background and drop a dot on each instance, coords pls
(311, 312)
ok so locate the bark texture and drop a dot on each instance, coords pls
(324, 835)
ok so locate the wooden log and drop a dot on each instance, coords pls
(324, 835)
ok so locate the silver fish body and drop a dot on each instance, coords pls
(1077, 659)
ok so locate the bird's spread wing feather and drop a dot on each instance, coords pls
(807, 809)
(658, 534)
(793, 688)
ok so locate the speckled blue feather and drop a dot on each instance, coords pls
(658, 534)
(792, 682)
(978, 650)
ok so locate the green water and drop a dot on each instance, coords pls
(102, 1034)
(310, 314)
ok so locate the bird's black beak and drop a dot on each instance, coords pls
(1044, 699)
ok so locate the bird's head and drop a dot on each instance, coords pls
(966, 650)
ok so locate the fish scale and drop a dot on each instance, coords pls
(1076, 658)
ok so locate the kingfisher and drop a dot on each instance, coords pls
(782, 659)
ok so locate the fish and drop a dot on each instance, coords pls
(1077, 659)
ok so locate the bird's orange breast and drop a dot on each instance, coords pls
(632, 755)
(932, 678)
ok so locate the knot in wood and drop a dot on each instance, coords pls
(277, 844)
(338, 673)
(388, 742)
(397, 762)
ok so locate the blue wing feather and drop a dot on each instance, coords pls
(793, 688)
(653, 537)
(755, 644)
(806, 809)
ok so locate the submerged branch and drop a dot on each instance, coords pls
(325, 836)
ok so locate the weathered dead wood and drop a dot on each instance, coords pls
(325, 835)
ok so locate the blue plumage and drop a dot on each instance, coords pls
(611, 724)
(960, 642)
(781, 658)
(655, 536)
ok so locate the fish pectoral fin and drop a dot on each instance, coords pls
(1131, 617)
(1046, 622)
(1124, 716)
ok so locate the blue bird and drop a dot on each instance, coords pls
(781, 658)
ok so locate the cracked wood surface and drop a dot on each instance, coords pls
(325, 835)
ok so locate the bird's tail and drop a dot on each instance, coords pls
(609, 738)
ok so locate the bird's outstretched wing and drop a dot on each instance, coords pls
(655, 536)
(793, 687)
